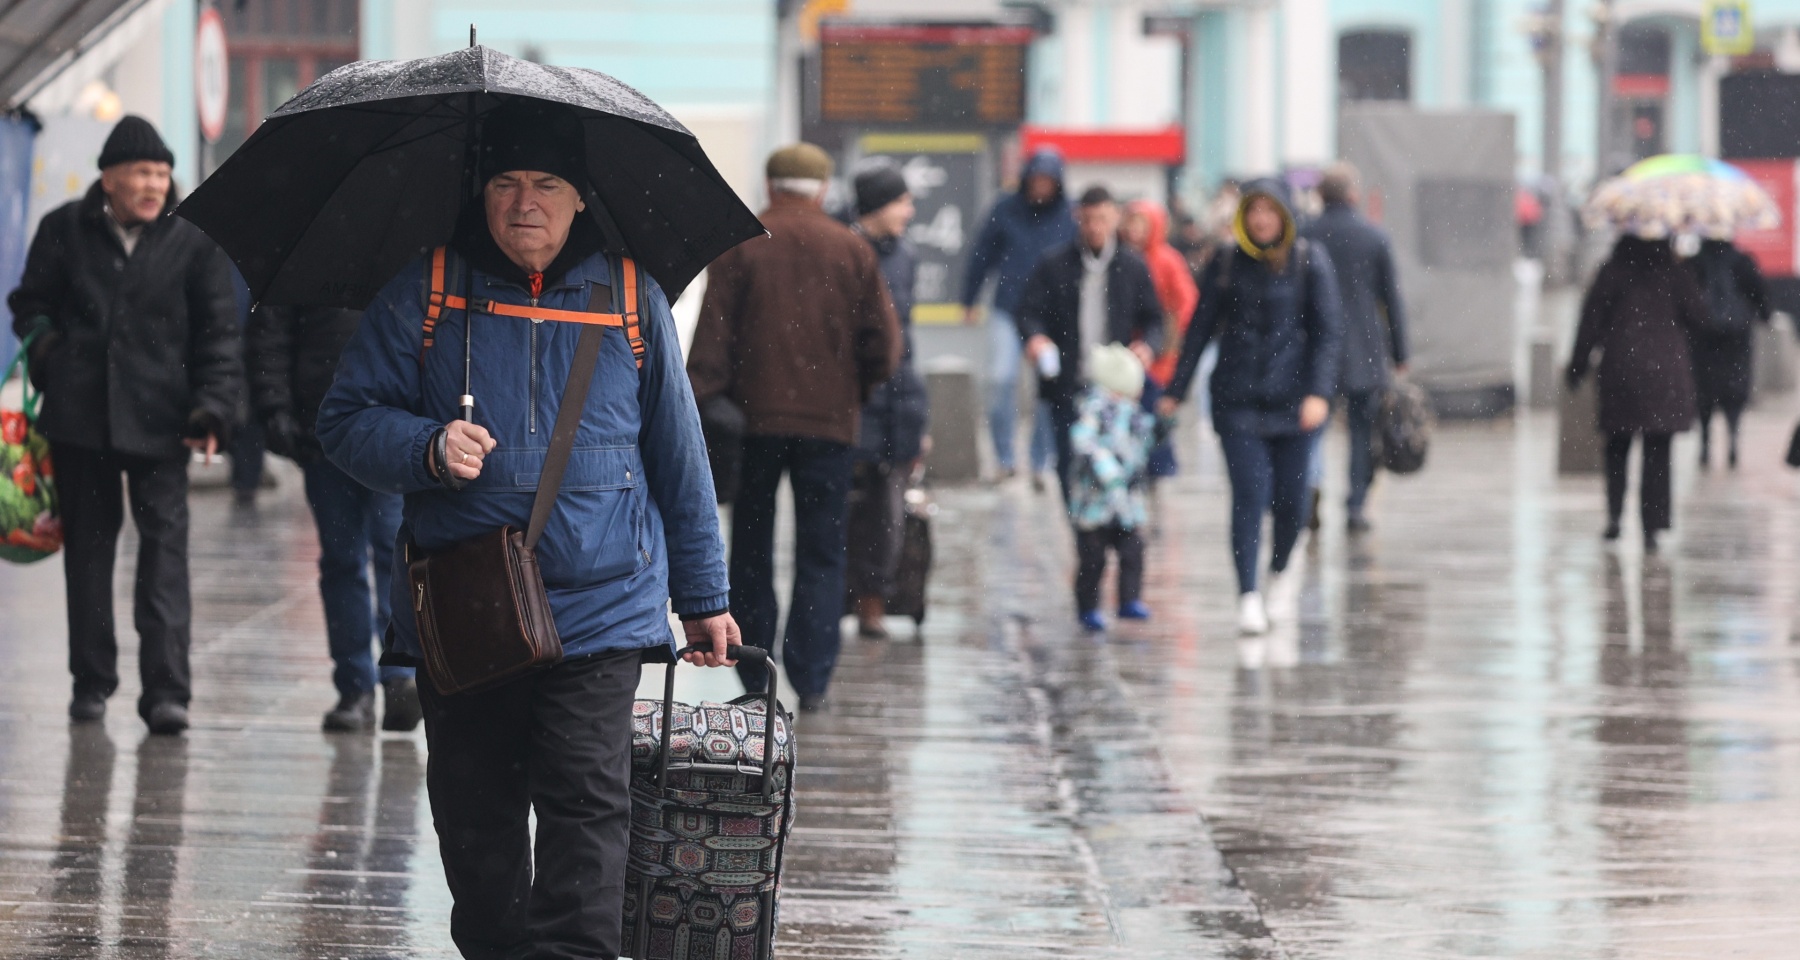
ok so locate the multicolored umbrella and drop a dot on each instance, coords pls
(1681, 193)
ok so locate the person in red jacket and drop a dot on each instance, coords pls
(1146, 230)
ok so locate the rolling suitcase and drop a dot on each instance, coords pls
(711, 805)
(910, 577)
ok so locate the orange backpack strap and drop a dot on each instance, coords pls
(437, 301)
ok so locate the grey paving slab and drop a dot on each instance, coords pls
(1488, 736)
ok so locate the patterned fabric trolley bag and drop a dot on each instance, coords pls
(712, 801)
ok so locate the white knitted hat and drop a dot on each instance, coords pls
(1114, 367)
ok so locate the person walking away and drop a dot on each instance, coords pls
(1272, 303)
(1721, 349)
(1146, 230)
(138, 353)
(1018, 231)
(1111, 442)
(293, 357)
(1375, 345)
(894, 420)
(634, 532)
(1638, 314)
(1082, 295)
(797, 330)
(248, 448)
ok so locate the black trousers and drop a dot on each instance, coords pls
(557, 742)
(1090, 564)
(1062, 417)
(93, 509)
(1654, 497)
(819, 473)
(877, 513)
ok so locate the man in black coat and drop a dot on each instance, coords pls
(292, 361)
(1374, 322)
(1083, 295)
(137, 350)
(892, 435)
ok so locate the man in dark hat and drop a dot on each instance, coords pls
(135, 343)
(634, 532)
(894, 418)
(796, 328)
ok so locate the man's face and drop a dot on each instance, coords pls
(1263, 222)
(891, 220)
(136, 191)
(529, 213)
(1136, 231)
(1097, 223)
(1040, 188)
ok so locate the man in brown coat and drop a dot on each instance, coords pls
(796, 329)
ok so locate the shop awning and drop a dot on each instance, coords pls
(40, 37)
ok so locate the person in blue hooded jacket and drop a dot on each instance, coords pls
(1019, 230)
(634, 528)
(1272, 302)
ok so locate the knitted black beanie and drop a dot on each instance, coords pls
(132, 140)
(877, 187)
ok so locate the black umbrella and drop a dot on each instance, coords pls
(368, 168)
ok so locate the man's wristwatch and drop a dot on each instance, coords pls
(440, 455)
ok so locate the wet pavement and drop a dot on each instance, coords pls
(1488, 736)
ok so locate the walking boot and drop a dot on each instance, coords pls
(1312, 519)
(354, 713)
(87, 708)
(870, 612)
(400, 710)
(167, 719)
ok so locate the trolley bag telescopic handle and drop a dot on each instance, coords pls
(741, 653)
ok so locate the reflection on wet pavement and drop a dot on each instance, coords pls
(1488, 736)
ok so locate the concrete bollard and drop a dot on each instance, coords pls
(956, 416)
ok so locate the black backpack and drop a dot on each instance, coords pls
(1403, 427)
(1727, 312)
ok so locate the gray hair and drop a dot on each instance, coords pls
(802, 186)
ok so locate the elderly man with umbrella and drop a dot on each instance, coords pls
(485, 370)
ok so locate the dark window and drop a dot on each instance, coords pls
(1375, 65)
(1644, 50)
(277, 47)
(1759, 115)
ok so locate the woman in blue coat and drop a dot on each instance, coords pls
(634, 530)
(1272, 302)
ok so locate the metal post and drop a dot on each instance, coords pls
(1556, 226)
(1606, 63)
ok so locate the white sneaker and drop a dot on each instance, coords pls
(1253, 619)
(1284, 596)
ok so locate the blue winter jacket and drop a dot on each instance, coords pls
(1018, 234)
(635, 522)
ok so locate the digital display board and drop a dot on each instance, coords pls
(931, 75)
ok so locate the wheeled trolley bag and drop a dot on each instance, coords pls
(914, 569)
(712, 801)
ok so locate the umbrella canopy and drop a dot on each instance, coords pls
(1682, 193)
(369, 167)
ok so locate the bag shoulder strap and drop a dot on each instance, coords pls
(573, 404)
(627, 316)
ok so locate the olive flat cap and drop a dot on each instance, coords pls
(800, 161)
